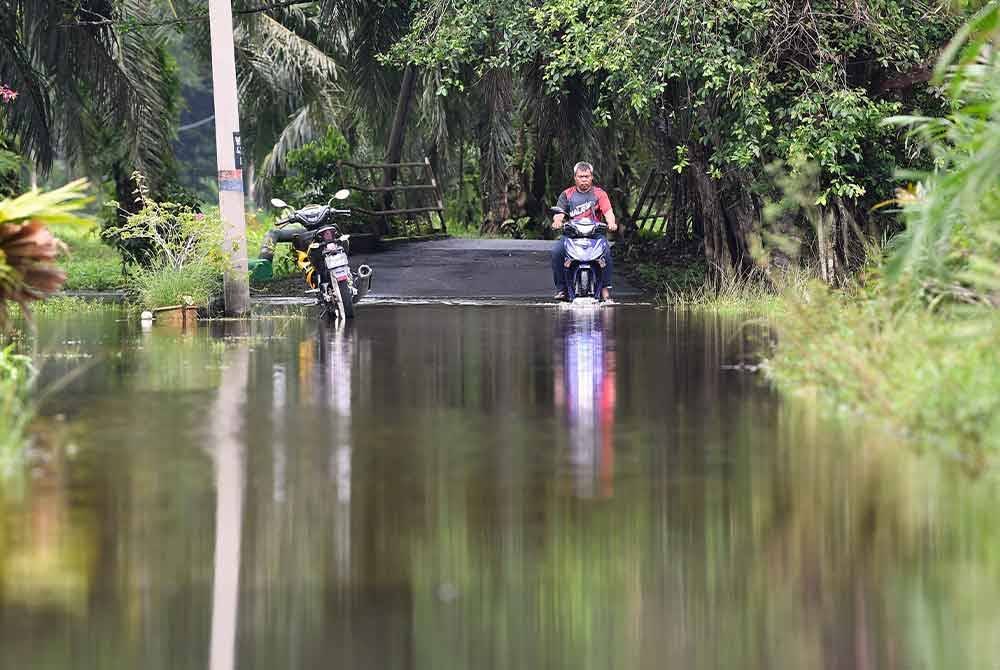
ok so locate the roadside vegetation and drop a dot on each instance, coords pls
(916, 340)
(28, 274)
(90, 263)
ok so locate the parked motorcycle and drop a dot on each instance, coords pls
(586, 250)
(321, 253)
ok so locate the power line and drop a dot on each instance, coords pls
(196, 124)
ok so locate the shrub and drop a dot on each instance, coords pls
(312, 169)
(186, 261)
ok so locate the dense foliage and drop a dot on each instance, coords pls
(916, 341)
(512, 94)
(712, 92)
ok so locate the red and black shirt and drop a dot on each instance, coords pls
(590, 204)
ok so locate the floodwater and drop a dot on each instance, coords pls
(491, 486)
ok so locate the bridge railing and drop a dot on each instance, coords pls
(404, 198)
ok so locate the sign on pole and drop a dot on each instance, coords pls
(229, 156)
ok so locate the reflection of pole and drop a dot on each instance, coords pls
(227, 423)
(337, 371)
(228, 153)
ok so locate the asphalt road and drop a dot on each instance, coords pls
(469, 268)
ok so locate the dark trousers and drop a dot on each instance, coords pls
(559, 271)
(286, 234)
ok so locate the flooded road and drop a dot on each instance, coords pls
(492, 486)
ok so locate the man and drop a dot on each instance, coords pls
(583, 200)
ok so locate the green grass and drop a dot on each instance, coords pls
(932, 375)
(687, 286)
(62, 304)
(89, 263)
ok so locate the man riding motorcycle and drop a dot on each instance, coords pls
(582, 200)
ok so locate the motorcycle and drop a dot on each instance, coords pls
(586, 247)
(321, 253)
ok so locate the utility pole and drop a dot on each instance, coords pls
(229, 156)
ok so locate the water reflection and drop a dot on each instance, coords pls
(227, 449)
(585, 392)
(394, 495)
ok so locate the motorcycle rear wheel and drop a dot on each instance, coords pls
(346, 299)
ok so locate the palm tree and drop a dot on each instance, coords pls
(78, 74)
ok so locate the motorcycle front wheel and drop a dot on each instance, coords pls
(584, 280)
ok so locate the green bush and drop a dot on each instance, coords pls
(187, 260)
(10, 168)
(313, 174)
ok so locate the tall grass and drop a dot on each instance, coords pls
(162, 285)
(689, 288)
(933, 378)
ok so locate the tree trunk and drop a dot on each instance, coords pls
(495, 145)
(839, 241)
(743, 224)
(397, 136)
(708, 209)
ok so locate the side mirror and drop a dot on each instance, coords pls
(342, 194)
(279, 203)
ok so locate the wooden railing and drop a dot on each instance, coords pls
(388, 183)
(652, 210)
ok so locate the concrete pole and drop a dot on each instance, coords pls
(228, 152)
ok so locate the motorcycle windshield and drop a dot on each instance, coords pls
(313, 215)
(585, 227)
(585, 249)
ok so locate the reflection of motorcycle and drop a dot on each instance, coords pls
(587, 250)
(585, 391)
(321, 253)
(337, 349)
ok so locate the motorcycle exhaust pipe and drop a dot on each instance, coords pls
(364, 283)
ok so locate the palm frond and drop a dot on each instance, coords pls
(67, 65)
(307, 124)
